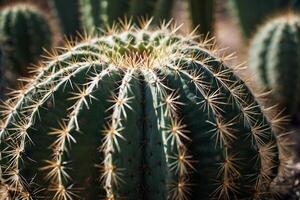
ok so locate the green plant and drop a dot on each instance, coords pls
(67, 12)
(24, 31)
(100, 13)
(150, 114)
(201, 12)
(252, 13)
(274, 56)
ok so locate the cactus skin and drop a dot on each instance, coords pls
(100, 13)
(274, 55)
(201, 13)
(24, 32)
(91, 14)
(67, 13)
(152, 114)
(252, 13)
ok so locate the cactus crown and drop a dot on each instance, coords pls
(274, 54)
(137, 114)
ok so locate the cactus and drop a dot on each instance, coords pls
(274, 56)
(99, 13)
(24, 31)
(201, 13)
(140, 113)
(1, 73)
(67, 12)
(252, 13)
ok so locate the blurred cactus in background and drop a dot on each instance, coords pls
(251, 13)
(1, 73)
(68, 14)
(137, 114)
(275, 56)
(202, 15)
(24, 32)
(97, 14)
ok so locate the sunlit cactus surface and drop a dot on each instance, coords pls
(139, 113)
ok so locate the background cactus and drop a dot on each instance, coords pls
(99, 13)
(24, 31)
(68, 14)
(274, 55)
(154, 115)
(252, 13)
(201, 12)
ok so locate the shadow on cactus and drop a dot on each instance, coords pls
(274, 54)
(139, 113)
(24, 31)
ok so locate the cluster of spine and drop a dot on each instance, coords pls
(24, 32)
(201, 12)
(250, 14)
(68, 14)
(274, 55)
(137, 114)
(99, 13)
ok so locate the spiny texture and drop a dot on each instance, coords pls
(137, 114)
(274, 54)
(201, 12)
(100, 13)
(252, 13)
(24, 31)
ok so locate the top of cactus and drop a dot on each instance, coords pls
(133, 47)
(21, 6)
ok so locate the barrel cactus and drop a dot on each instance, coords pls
(100, 13)
(274, 56)
(24, 32)
(139, 113)
(250, 14)
(201, 14)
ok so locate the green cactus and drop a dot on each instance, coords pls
(252, 13)
(201, 13)
(274, 54)
(137, 114)
(24, 32)
(67, 13)
(99, 13)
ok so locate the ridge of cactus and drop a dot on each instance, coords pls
(139, 113)
(201, 14)
(274, 55)
(24, 32)
(91, 14)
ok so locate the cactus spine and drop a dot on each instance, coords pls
(137, 114)
(24, 31)
(252, 13)
(274, 55)
(99, 13)
(67, 13)
(201, 12)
